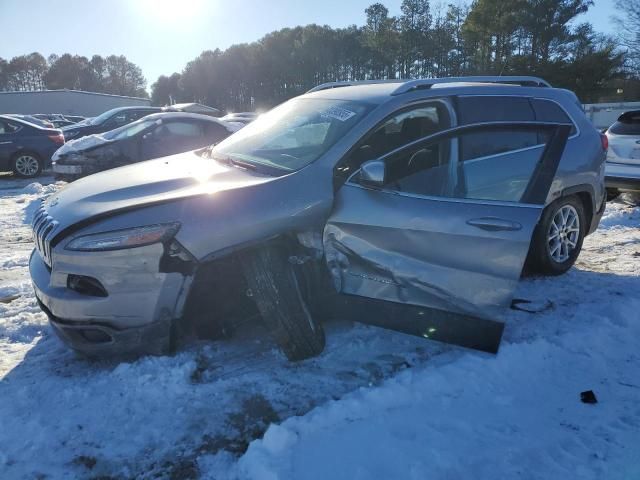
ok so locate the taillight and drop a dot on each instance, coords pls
(605, 141)
(58, 138)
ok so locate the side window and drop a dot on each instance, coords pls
(494, 172)
(184, 129)
(117, 120)
(406, 126)
(7, 127)
(487, 108)
(483, 144)
(482, 109)
(215, 132)
(548, 111)
(500, 166)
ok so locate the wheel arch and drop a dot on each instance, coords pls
(25, 150)
(587, 196)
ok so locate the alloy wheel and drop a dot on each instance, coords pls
(563, 234)
(27, 165)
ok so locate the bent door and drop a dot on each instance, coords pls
(450, 226)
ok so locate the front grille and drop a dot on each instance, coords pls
(44, 229)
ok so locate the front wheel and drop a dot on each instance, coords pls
(281, 296)
(557, 240)
(26, 165)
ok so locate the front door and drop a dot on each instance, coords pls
(450, 224)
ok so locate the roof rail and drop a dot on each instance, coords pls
(410, 85)
(330, 85)
(523, 81)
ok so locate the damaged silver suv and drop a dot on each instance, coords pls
(428, 194)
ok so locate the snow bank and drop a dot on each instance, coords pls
(517, 415)
(454, 414)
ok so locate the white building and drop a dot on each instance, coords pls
(70, 102)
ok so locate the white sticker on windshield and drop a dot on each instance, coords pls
(338, 113)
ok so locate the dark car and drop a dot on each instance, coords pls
(154, 136)
(26, 148)
(108, 121)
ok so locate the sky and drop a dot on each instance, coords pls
(161, 36)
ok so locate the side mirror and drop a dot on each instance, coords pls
(372, 173)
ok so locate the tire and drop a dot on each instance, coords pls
(279, 293)
(26, 165)
(553, 252)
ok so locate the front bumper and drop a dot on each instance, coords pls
(67, 169)
(134, 318)
(622, 177)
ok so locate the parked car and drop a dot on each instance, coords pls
(107, 121)
(26, 148)
(240, 117)
(622, 172)
(429, 195)
(153, 136)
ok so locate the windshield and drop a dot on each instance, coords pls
(129, 130)
(293, 135)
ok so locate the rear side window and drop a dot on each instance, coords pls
(548, 111)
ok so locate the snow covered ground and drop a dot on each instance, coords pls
(376, 404)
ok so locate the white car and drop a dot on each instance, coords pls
(622, 171)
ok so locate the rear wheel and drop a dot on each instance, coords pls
(557, 240)
(281, 295)
(26, 165)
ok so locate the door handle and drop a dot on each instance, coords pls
(5, 143)
(493, 224)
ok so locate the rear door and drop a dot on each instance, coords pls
(8, 131)
(450, 226)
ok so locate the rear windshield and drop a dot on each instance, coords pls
(626, 128)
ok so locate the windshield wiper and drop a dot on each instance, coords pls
(235, 163)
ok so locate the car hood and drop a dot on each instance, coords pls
(78, 145)
(145, 183)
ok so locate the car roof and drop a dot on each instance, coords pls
(139, 107)
(184, 115)
(379, 92)
(22, 121)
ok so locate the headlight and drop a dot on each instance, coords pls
(120, 239)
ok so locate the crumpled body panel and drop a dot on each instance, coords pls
(423, 252)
